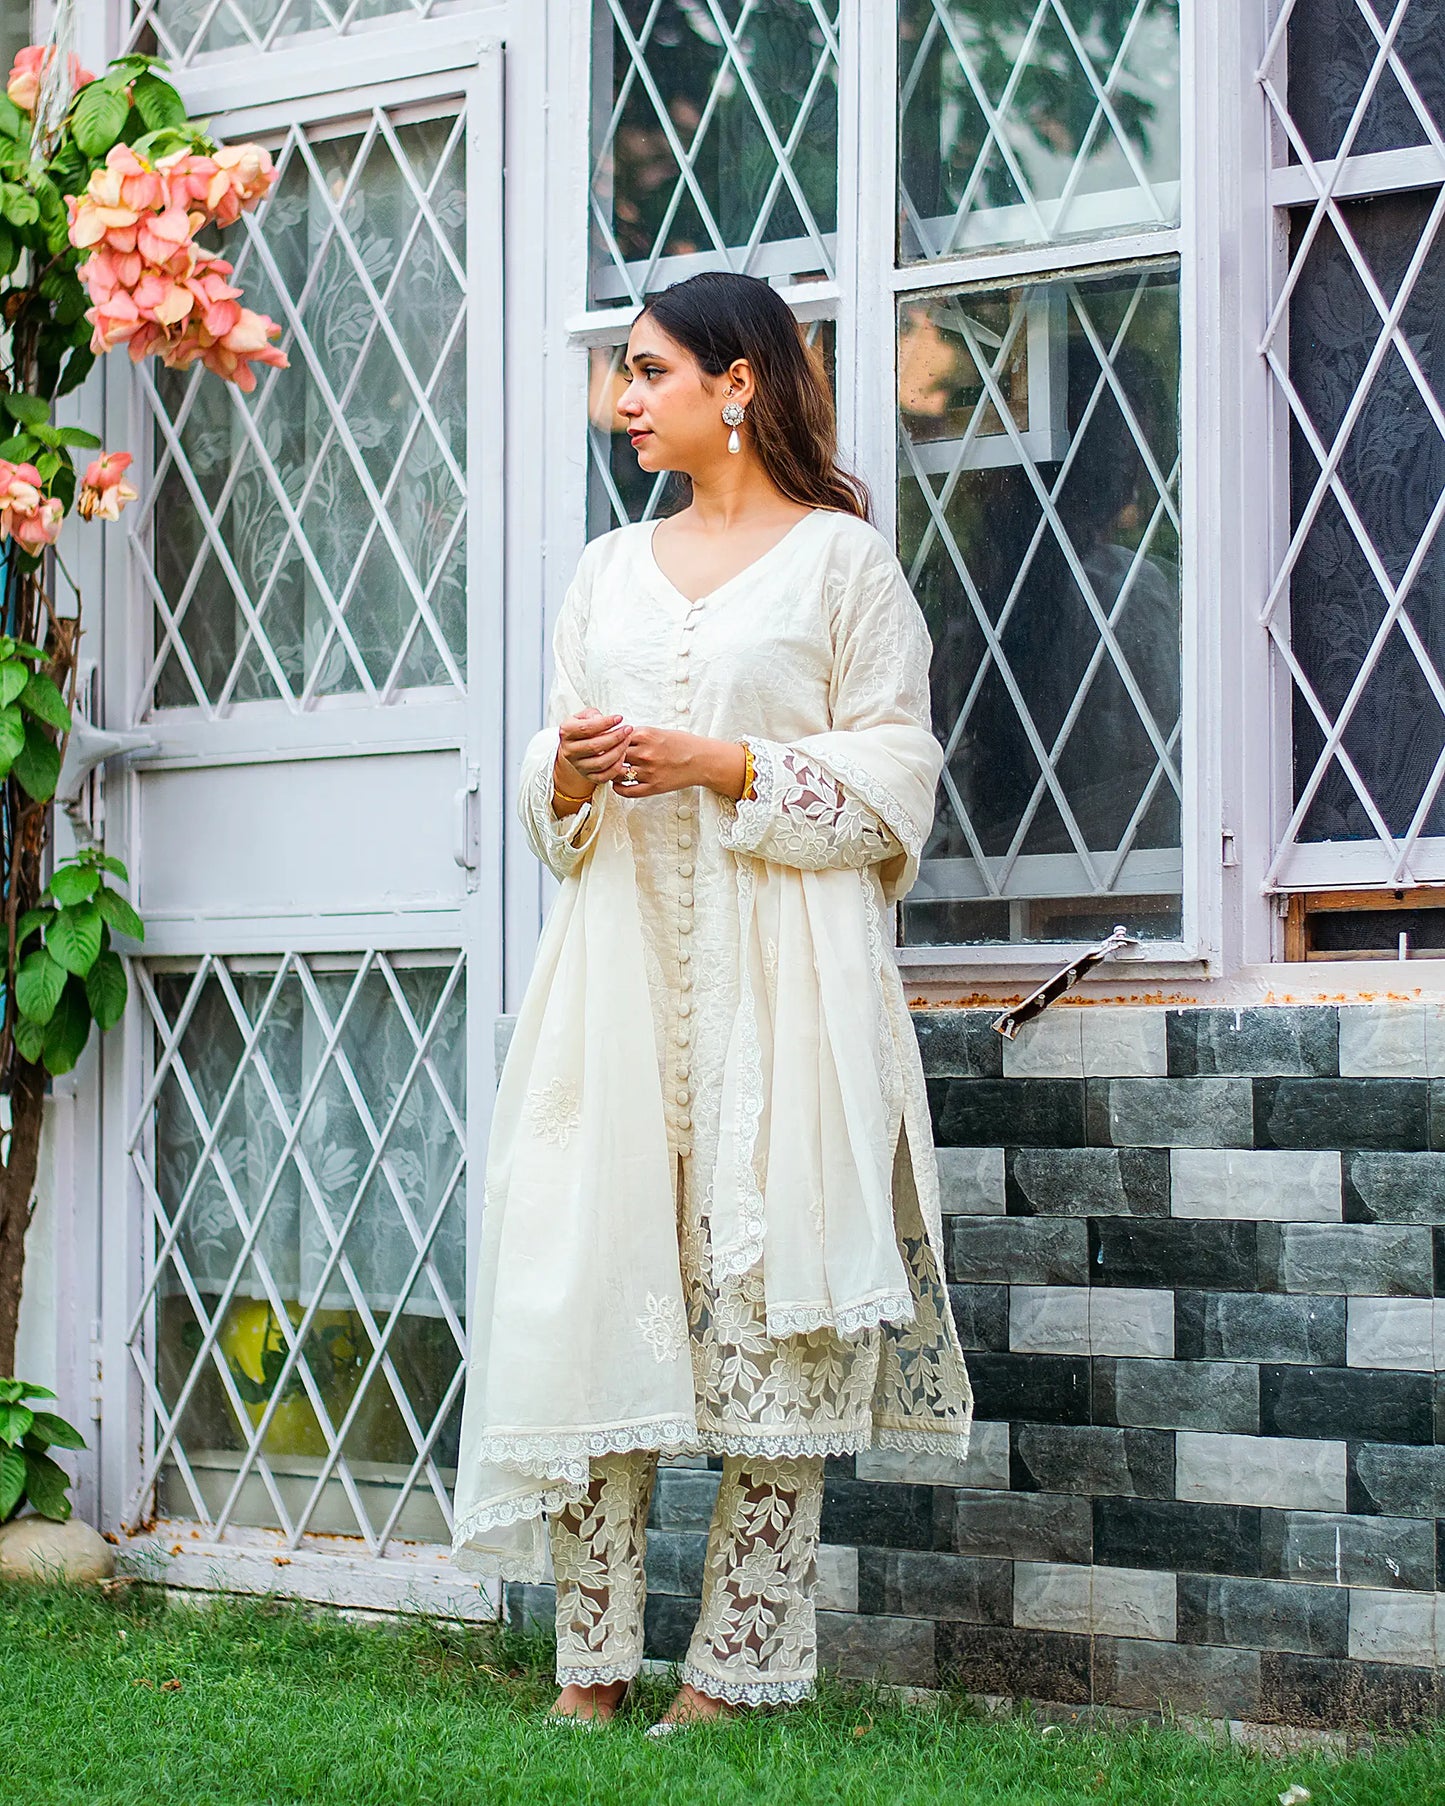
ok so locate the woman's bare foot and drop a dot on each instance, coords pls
(691, 1707)
(599, 1702)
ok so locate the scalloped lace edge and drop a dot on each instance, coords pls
(748, 1693)
(927, 1442)
(876, 795)
(852, 1320)
(598, 1677)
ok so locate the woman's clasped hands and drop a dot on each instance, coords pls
(594, 749)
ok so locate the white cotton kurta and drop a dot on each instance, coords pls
(712, 1213)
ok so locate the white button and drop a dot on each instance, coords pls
(684, 871)
(684, 1005)
(684, 840)
(685, 898)
(684, 956)
(682, 1037)
(685, 925)
(684, 1121)
(682, 1094)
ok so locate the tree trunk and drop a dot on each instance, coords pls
(17, 1194)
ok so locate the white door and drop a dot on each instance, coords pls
(315, 647)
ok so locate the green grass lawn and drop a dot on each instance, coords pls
(122, 1700)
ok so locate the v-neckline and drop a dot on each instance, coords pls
(727, 583)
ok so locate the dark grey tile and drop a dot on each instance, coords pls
(1000, 1113)
(1394, 1480)
(889, 1513)
(667, 1623)
(1023, 1526)
(1341, 1113)
(683, 1498)
(1394, 1188)
(1386, 1260)
(1264, 1614)
(977, 1589)
(1331, 1548)
(1275, 1041)
(1091, 1459)
(1019, 1664)
(1253, 1326)
(1087, 1182)
(1131, 1251)
(959, 1044)
(1346, 1695)
(1177, 1534)
(1038, 1251)
(980, 1314)
(531, 1609)
(1218, 1396)
(1032, 1388)
(1179, 1677)
(896, 1651)
(1171, 1113)
(1352, 1403)
(674, 1561)
(1437, 1114)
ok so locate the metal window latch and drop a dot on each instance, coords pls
(1011, 1021)
(466, 823)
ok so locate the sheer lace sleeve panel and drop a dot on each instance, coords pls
(800, 815)
(561, 842)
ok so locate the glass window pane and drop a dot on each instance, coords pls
(1381, 522)
(1332, 51)
(1039, 526)
(618, 491)
(1034, 121)
(310, 539)
(184, 29)
(715, 135)
(308, 1161)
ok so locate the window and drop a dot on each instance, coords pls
(1356, 609)
(182, 30)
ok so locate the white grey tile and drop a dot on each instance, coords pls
(1049, 1047)
(1128, 1320)
(1052, 1595)
(1255, 1184)
(1124, 1043)
(1395, 1627)
(1134, 1602)
(1048, 1319)
(984, 1467)
(1280, 1471)
(970, 1182)
(1435, 1039)
(1111, 1602)
(1392, 1332)
(837, 1578)
(1383, 1041)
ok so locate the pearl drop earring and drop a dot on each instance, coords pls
(733, 415)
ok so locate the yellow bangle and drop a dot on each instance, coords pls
(749, 774)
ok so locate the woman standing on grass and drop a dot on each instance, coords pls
(712, 1212)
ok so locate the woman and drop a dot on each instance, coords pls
(712, 1216)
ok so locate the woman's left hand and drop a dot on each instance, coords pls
(662, 759)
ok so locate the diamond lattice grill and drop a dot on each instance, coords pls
(1356, 608)
(182, 30)
(1039, 525)
(716, 132)
(310, 538)
(1035, 121)
(302, 1154)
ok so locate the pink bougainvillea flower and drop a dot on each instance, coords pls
(105, 491)
(28, 72)
(27, 516)
(231, 355)
(161, 235)
(243, 175)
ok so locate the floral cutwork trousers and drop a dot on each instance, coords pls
(755, 1642)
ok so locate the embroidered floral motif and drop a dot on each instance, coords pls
(663, 1327)
(555, 1111)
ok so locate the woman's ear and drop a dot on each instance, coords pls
(739, 380)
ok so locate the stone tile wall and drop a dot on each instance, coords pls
(1197, 1257)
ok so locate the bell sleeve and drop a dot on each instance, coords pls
(561, 842)
(860, 794)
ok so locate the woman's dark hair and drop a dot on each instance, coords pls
(720, 317)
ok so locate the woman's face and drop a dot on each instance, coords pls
(673, 411)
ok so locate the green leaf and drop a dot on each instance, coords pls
(29, 922)
(47, 1486)
(10, 1390)
(15, 1420)
(12, 1481)
(157, 102)
(73, 938)
(18, 206)
(42, 699)
(14, 675)
(57, 1432)
(77, 435)
(38, 766)
(29, 409)
(14, 123)
(30, 1039)
(74, 883)
(98, 118)
(29, 1390)
(48, 465)
(68, 1030)
(12, 736)
(9, 249)
(118, 913)
(19, 449)
(106, 990)
(39, 982)
(77, 367)
(113, 865)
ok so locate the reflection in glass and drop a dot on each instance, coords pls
(1332, 51)
(1034, 121)
(715, 134)
(1039, 525)
(337, 520)
(319, 1175)
(183, 29)
(618, 490)
(1392, 471)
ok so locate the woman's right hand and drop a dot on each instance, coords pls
(591, 749)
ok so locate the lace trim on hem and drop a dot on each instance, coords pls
(544, 1456)
(748, 1693)
(486, 1567)
(785, 1445)
(597, 1677)
(926, 1442)
(852, 1320)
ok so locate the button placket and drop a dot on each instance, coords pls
(682, 1032)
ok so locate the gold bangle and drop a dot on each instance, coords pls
(749, 774)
